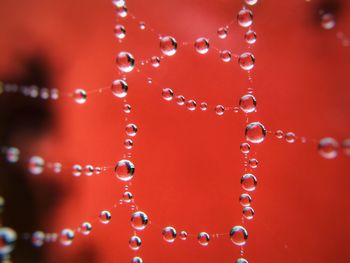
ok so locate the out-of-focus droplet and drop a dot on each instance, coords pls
(327, 21)
(80, 96)
(203, 238)
(125, 61)
(135, 243)
(139, 220)
(245, 199)
(12, 154)
(105, 217)
(249, 182)
(225, 56)
(167, 94)
(239, 235)
(8, 238)
(38, 238)
(169, 234)
(245, 17)
(142, 25)
(290, 137)
(131, 130)
(85, 228)
(119, 88)
(246, 61)
(36, 165)
(168, 45)
(202, 45)
(67, 236)
(346, 146)
(328, 148)
(124, 170)
(77, 170)
(119, 31)
(255, 132)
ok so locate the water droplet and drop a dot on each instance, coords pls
(249, 182)
(219, 110)
(89, 170)
(119, 31)
(346, 146)
(246, 61)
(136, 260)
(328, 21)
(169, 234)
(155, 61)
(142, 25)
(128, 144)
(167, 94)
(118, 3)
(245, 199)
(80, 96)
(127, 197)
(139, 220)
(245, 147)
(77, 170)
(131, 130)
(290, 137)
(168, 45)
(105, 217)
(203, 239)
(125, 61)
(122, 11)
(124, 170)
(191, 105)
(255, 132)
(328, 148)
(85, 228)
(241, 260)
(67, 236)
(8, 238)
(202, 45)
(245, 17)
(239, 235)
(222, 32)
(203, 106)
(253, 163)
(135, 243)
(36, 165)
(251, 2)
(12, 154)
(279, 134)
(180, 100)
(248, 212)
(250, 37)
(119, 88)
(247, 103)
(57, 167)
(38, 238)
(127, 108)
(183, 235)
(225, 56)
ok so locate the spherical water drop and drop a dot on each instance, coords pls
(246, 61)
(80, 96)
(249, 182)
(203, 239)
(136, 260)
(118, 3)
(131, 130)
(125, 61)
(142, 25)
(328, 21)
(135, 243)
(255, 132)
(328, 148)
(169, 234)
(67, 236)
(251, 2)
(346, 146)
(119, 88)
(57, 167)
(225, 56)
(128, 144)
(239, 235)
(202, 45)
(245, 147)
(180, 100)
(122, 11)
(191, 105)
(127, 108)
(12, 154)
(167, 94)
(119, 31)
(183, 235)
(279, 134)
(105, 217)
(248, 212)
(85, 228)
(219, 110)
(139, 220)
(247, 103)
(127, 197)
(8, 239)
(155, 61)
(250, 37)
(253, 163)
(290, 137)
(124, 170)
(36, 165)
(222, 32)
(168, 45)
(203, 106)
(77, 170)
(245, 17)
(241, 260)
(89, 170)
(245, 199)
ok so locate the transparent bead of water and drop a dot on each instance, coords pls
(203, 106)
(85, 228)
(139, 220)
(253, 163)
(124, 170)
(131, 130)
(122, 11)
(219, 110)
(127, 108)
(155, 61)
(38, 238)
(8, 238)
(191, 105)
(245, 199)
(80, 96)
(328, 21)
(180, 100)
(246, 61)
(290, 137)
(142, 25)
(328, 148)
(279, 134)
(250, 37)
(247, 103)
(12, 154)
(241, 260)
(346, 146)
(248, 212)
(119, 88)
(98, 170)
(57, 167)
(168, 45)
(89, 170)
(77, 170)
(128, 144)
(250, 2)
(245, 17)
(167, 94)
(118, 3)
(239, 235)
(202, 45)
(245, 147)
(249, 182)
(183, 235)
(135, 243)
(67, 236)
(225, 56)
(222, 32)
(255, 132)
(125, 61)
(105, 217)
(136, 260)
(36, 165)
(169, 234)
(127, 197)
(119, 31)
(203, 238)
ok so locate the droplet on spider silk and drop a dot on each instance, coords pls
(89, 170)
(279, 134)
(245, 17)
(249, 182)
(202, 45)
(239, 235)
(124, 170)
(139, 220)
(131, 130)
(125, 61)
(203, 238)
(255, 132)
(57, 167)
(119, 88)
(191, 105)
(180, 100)
(127, 108)
(246, 61)
(8, 238)
(127, 197)
(119, 31)
(245, 199)
(250, 37)
(328, 148)
(168, 45)
(36, 165)
(128, 144)
(290, 137)
(118, 3)
(105, 217)
(167, 94)
(245, 147)
(328, 21)
(155, 61)
(136, 260)
(247, 103)
(248, 213)
(250, 2)
(80, 96)
(142, 25)
(220, 110)
(12, 154)
(85, 228)
(222, 32)
(121, 11)
(346, 146)
(183, 235)
(169, 234)
(67, 236)
(77, 170)
(241, 260)
(253, 163)
(135, 243)
(203, 106)
(225, 56)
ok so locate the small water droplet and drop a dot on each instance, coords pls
(131, 130)
(80, 96)
(119, 88)
(139, 220)
(167, 94)
(328, 21)
(191, 105)
(183, 235)
(135, 243)
(222, 32)
(180, 100)
(219, 110)
(77, 170)
(202, 45)
(239, 235)
(168, 45)
(169, 234)
(105, 217)
(124, 170)
(203, 239)
(67, 236)
(245, 147)
(119, 31)
(136, 260)
(245, 199)
(290, 137)
(85, 228)
(248, 213)
(8, 238)
(253, 163)
(249, 182)
(247, 103)
(36, 165)
(155, 61)
(279, 134)
(203, 106)
(127, 197)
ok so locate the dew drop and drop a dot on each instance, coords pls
(225, 56)
(125, 61)
(127, 197)
(248, 213)
(155, 61)
(168, 45)
(191, 105)
(255, 132)
(245, 199)
(250, 37)
(180, 100)
(203, 238)
(222, 32)
(105, 217)
(124, 170)
(202, 45)
(328, 148)
(139, 220)
(239, 235)
(247, 103)
(128, 144)
(249, 182)
(253, 163)
(135, 243)
(245, 147)
(169, 234)
(245, 17)
(241, 260)
(12, 155)
(80, 96)
(203, 106)
(167, 94)
(8, 238)
(131, 130)
(119, 88)
(290, 137)
(251, 2)
(85, 228)
(136, 260)
(67, 236)
(183, 235)
(219, 110)
(246, 61)
(77, 170)
(119, 31)
(327, 21)
(36, 165)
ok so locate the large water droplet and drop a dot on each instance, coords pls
(139, 220)
(239, 235)
(247, 103)
(169, 234)
(125, 61)
(168, 45)
(245, 17)
(124, 170)
(246, 61)
(135, 243)
(203, 238)
(119, 88)
(202, 45)
(249, 182)
(255, 132)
